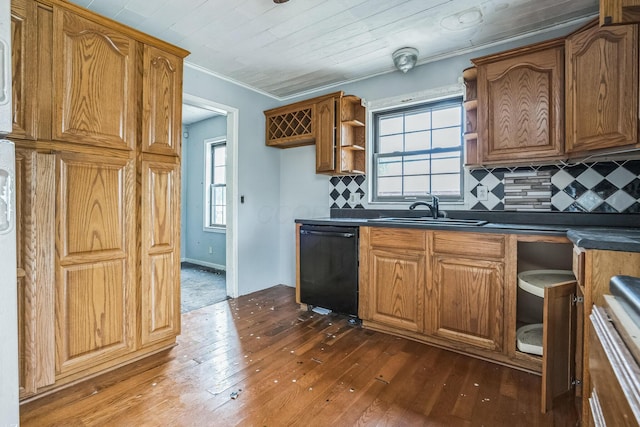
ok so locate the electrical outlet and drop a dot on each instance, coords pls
(210, 250)
(354, 198)
(482, 192)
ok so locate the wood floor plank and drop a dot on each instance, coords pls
(259, 360)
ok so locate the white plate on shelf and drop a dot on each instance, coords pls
(529, 338)
(534, 281)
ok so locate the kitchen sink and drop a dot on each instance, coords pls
(427, 220)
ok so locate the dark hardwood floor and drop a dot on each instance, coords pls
(260, 361)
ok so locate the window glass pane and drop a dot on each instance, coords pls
(446, 184)
(219, 217)
(416, 165)
(434, 130)
(390, 166)
(391, 144)
(417, 121)
(220, 155)
(446, 165)
(447, 117)
(390, 125)
(416, 185)
(446, 138)
(390, 186)
(417, 141)
(219, 175)
(219, 195)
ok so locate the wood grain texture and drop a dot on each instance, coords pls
(602, 88)
(162, 100)
(94, 84)
(613, 12)
(468, 301)
(325, 135)
(95, 287)
(160, 262)
(520, 109)
(288, 367)
(481, 245)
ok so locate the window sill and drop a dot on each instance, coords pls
(215, 229)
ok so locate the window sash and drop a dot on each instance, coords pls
(430, 152)
(215, 194)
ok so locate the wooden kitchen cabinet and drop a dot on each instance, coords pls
(35, 210)
(161, 97)
(160, 281)
(95, 260)
(613, 12)
(98, 181)
(393, 269)
(466, 296)
(602, 89)
(520, 104)
(594, 270)
(335, 123)
(94, 69)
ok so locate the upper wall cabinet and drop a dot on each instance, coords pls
(602, 88)
(520, 98)
(619, 12)
(94, 83)
(162, 91)
(335, 123)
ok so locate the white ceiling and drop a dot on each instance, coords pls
(288, 49)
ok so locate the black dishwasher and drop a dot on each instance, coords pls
(329, 267)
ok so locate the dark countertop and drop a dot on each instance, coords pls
(616, 232)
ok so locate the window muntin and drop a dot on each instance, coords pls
(418, 152)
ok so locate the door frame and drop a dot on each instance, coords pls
(232, 113)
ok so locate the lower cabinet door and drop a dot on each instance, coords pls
(95, 260)
(160, 263)
(466, 302)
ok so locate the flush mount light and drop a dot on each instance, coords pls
(280, 1)
(405, 58)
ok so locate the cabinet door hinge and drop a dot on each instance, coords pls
(577, 300)
(575, 382)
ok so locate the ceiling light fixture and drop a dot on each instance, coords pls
(280, 1)
(405, 58)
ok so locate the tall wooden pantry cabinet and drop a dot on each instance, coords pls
(97, 122)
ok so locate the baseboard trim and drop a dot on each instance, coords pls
(204, 264)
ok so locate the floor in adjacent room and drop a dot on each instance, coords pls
(201, 286)
(259, 360)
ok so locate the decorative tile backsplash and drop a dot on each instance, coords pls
(581, 187)
(596, 187)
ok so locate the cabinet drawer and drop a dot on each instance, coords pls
(472, 244)
(398, 238)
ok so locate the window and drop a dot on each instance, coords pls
(215, 183)
(417, 152)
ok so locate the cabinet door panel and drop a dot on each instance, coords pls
(160, 296)
(602, 88)
(23, 42)
(35, 209)
(398, 279)
(326, 136)
(468, 301)
(94, 83)
(162, 98)
(520, 115)
(95, 259)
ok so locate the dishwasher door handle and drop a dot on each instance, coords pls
(328, 233)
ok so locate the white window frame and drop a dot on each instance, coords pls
(208, 146)
(404, 101)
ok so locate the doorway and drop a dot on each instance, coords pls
(201, 244)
